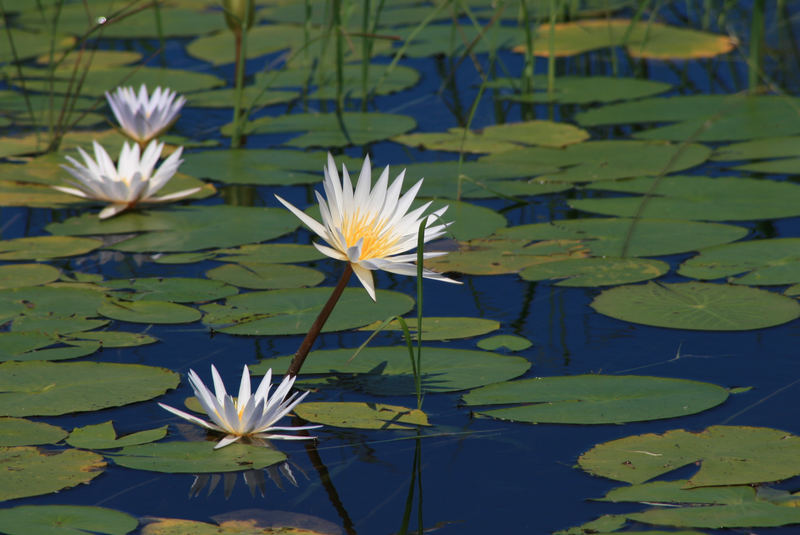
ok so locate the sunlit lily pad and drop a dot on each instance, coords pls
(196, 457)
(498, 138)
(65, 519)
(444, 328)
(148, 311)
(727, 455)
(46, 388)
(292, 311)
(270, 253)
(644, 237)
(16, 275)
(758, 262)
(360, 415)
(108, 339)
(100, 59)
(596, 399)
(325, 129)
(173, 289)
(185, 228)
(22, 432)
(29, 471)
(603, 271)
(255, 166)
(758, 149)
(582, 89)
(53, 325)
(178, 526)
(379, 80)
(219, 48)
(103, 437)
(680, 491)
(386, 371)
(72, 350)
(51, 300)
(443, 39)
(46, 247)
(697, 197)
(260, 276)
(31, 44)
(509, 341)
(607, 159)
(697, 306)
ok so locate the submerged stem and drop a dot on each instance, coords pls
(316, 327)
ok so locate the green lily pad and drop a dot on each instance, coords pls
(679, 491)
(100, 59)
(46, 247)
(386, 371)
(697, 306)
(55, 325)
(22, 432)
(29, 471)
(270, 253)
(605, 271)
(103, 437)
(219, 49)
(325, 130)
(53, 300)
(498, 138)
(16, 275)
(750, 515)
(252, 96)
(360, 415)
(644, 237)
(596, 399)
(33, 195)
(260, 276)
(148, 311)
(74, 349)
(727, 455)
(183, 229)
(582, 89)
(293, 311)
(31, 44)
(48, 389)
(607, 159)
(245, 526)
(757, 149)
(173, 289)
(469, 221)
(697, 197)
(445, 328)
(444, 39)
(65, 520)
(757, 262)
(784, 166)
(108, 339)
(509, 341)
(196, 457)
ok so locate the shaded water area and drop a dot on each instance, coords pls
(622, 178)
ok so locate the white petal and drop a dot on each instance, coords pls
(190, 417)
(365, 276)
(310, 222)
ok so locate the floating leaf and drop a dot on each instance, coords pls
(16, 275)
(173, 289)
(697, 306)
(721, 516)
(260, 276)
(442, 39)
(31, 44)
(196, 457)
(380, 80)
(360, 415)
(21, 432)
(270, 253)
(219, 48)
(103, 437)
(758, 262)
(756, 149)
(147, 311)
(446, 328)
(604, 271)
(55, 325)
(52, 300)
(108, 339)
(728, 455)
(28, 471)
(509, 341)
(607, 159)
(251, 96)
(177, 526)
(644, 237)
(47, 389)
(74, 349)
(46, 247)
(582, 89)
(677, 492)
(386, 371)
(293, 311)
(65, 520)
(596, 399)
(697, 197)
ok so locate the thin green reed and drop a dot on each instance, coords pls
(239, 16)
(527, 84)
(551, 48)
(17, 64)
(754, 61)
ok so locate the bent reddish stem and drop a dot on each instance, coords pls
(316, 327)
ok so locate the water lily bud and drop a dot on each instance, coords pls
(238, 13)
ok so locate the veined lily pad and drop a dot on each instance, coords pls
(757, 149)
(22, 432)
(51, 300)
(16, 275)
(260, 276)
(46, 388)
(55, 325)
(293, 311)
(596, 399)
(359, 415)
(178, 526)
(697, 306)
(46, 247)
(444, 328)
(582, 89)
(109, 339)
(509, 341)
(270, 253)
(65, 519)
(173, 289)
(196, 457)
(28, 471)
(728, 455)
(386, 371)
(605, 271)
(759, 262)
(103, 437)
(148, 311)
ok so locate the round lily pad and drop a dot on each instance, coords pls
(48, 388)
(260, 276)
(604, 271)
(148, 311)
(109, 339)
(509, 341)
(29, 471)
(53, 300)
(442, 328)
(16, 275)
(196, 457)
(22, 432)
(756, 262)
(172, 289)
(596, 399)
(582, 89)
(697, 306)
(66, 519)
(263, 167)
(270, 253)
(386, 371)
(45, 247)
(360, 415)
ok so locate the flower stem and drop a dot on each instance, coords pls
(316, 327)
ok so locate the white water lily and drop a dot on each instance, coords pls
(142, 117)
(247, 415)
(370, 226)
(132, 182)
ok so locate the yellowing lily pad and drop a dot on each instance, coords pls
(177, 526)
(196, 457)
(22, 432)
(757, 262)
(103, 437)
(604, 271)
(360, 415)
(16, 275)
(697, 306)
(582, 89)
(29, 471)
(444, 328)
(46, 247)
(65, 519)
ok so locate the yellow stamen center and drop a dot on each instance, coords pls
(376, 244)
